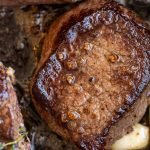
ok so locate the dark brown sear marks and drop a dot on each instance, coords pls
(115, 53)
(5, 113)
(10, 115)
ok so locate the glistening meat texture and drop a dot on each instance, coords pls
(29, 2)
(90, 85)
(10, 116)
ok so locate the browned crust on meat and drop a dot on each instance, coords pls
(57, 34)
(10, 116)
(126, 122)
(121, 128)
(75, 15)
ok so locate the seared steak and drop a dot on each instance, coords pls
(28, 2)
(90, 85)
(11, 120)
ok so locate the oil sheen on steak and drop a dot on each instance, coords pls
(90, 85)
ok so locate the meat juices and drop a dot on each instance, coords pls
(90, 84)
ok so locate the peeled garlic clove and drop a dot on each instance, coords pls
(137, 139)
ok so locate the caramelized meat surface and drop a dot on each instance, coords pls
(11, 121)
(90, 85)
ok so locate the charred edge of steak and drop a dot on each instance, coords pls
(128, 16)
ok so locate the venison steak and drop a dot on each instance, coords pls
(90, 84)
(11, 120)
